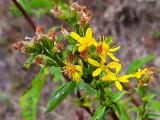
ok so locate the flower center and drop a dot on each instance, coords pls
(84, 54)
(99, 49)
(69, 70)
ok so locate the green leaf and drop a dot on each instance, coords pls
(149, 97)
(139, 63)
(59, 38)
(56, 71)
(116, 96)
(42, 3)
(153, 115)
(39, 7)
(154, 105)
(122, 112)
(49, 61)
(30, 59)
(109, 40)
(59, 96)
(26, 5)
(29, 101)
(99, 113)
(48, 44)
(141, 90)
(89, 91)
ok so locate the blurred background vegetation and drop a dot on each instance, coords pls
(134, 24)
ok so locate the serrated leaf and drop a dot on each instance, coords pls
(99, 112)
(139, 63)
(117, 96)
(29, 101)
(59, 96)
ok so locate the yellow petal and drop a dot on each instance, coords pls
(89, 33)
(97, 72)
(125, 78)
(94, 42)
(118, 85)
(114, 49)
(75, 36)
(79, 68)
(105, 46)
(81, 48)
(138, 74)
(105, 78)
(112, 57)
(76, 77)
(93, 62)
(144, 71)
(111, 75)
(103, 59)
(115, 65)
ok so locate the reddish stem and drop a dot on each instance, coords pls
(25, 14)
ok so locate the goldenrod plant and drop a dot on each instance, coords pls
(79, 61)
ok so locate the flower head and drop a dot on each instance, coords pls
(84, 42)
(113, 76)
(144, 75)
(103, 49)
(140, 73)
(74, 71)
(100, 65)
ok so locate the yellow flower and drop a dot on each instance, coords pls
(101, 65)
(104, 50)
(84, 42)
(140, 72)
(113, 76)
(74, 71)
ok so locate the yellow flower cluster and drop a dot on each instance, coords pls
(103, 50)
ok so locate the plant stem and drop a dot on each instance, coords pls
(25, 14)
(82, 101)
(114, 116)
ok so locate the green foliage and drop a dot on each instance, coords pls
(37, 7)
(148, 97)
(153, 116)
(89, 91)
(139, 63)
(30, 59)
(82, 58)
(117, 96)
(59, 96)
(56, 72)
(47, 43)
(156, 35)
(123, 115)
(108, 40)
(29, 101)
(153, 105)
(99, 112)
